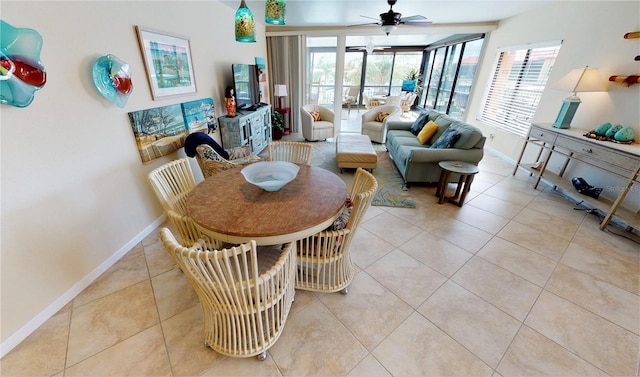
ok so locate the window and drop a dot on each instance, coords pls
(450, 71)
(515, 90)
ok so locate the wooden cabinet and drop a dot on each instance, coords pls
(571, 147)
(247, 127)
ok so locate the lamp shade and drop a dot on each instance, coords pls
(582, 80)
(388, 28)
(245, 24)
(275, 12)
(280, 90)
(578, 80)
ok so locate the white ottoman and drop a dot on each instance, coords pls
(355, 151)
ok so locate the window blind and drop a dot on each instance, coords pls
(516, 87)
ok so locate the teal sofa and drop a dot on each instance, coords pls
(418, 162)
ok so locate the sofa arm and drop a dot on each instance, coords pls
(399, 125)
(449, 154)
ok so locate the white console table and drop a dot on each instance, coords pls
(247, 127)
(619, 160)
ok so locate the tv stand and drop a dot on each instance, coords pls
(253, 128)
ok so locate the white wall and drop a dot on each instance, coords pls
(74, 191)
(592, 34)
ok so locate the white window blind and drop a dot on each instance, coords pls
(514, 93)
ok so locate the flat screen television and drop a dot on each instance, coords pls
(246, 85)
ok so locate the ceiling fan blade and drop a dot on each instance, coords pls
(367, 24)
(416, 23)
(413, 19)
(372, 18)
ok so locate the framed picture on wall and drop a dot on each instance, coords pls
(159, 131)
(167, 61)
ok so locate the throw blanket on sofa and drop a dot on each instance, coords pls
(197, 138)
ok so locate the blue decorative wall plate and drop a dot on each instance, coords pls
(112, 79)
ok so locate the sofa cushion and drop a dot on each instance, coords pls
(427, 132)
(443, 123)
(420, 121)
(469, 135)
(447, 139)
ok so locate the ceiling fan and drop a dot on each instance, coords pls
(370, 47)
(390, 20)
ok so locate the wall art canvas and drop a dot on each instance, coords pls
(263, 80)
(159, 131)
(200, 116)
(167, 61)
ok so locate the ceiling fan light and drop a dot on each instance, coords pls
(388, 28)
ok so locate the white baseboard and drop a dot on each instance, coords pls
(16, 338)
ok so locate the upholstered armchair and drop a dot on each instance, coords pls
(407, 102)
(393, 101)
(316, 128)
(374, 124)
(351, 97)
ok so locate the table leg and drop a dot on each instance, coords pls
(444, 181)
(467, 187)
(459, 188)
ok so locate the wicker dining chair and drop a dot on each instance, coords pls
(245, 293)
(211, 162)
(171, 183)
(292, 151)
(324, 259)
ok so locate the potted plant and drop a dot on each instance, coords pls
(414, 75)
(277, 125)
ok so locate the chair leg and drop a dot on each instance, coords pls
(262, 356)
(345, 290)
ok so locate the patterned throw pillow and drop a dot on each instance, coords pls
(416, 127)
(239, 152)
(428, 131)
(315, 115)
(381, 116)
(447, 139)
(343, 219)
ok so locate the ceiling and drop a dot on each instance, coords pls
(447, 17)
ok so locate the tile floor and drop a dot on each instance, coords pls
(515, 283)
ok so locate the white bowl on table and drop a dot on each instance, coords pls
(270, 175)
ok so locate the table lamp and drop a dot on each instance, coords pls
(280, 91)
(578, 80)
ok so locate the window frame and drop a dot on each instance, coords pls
(520, 75)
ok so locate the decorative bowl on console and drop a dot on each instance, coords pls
(270, 175)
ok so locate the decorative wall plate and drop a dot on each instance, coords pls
(112, 78)
(21, 72)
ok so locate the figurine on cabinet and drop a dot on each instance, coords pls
(230, 102)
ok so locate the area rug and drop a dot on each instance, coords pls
(392, 192)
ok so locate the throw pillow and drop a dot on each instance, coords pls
(315, 115)
(343, 219)
(381, 116)
(447, 139)
(239, 152)
(416, 127)
(427, 132)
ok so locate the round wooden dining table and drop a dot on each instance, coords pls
(228, 208)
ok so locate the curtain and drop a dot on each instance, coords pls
(286, 60)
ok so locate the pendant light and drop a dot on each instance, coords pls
(275, 12)
(245, 24)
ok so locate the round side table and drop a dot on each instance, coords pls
(466, 171)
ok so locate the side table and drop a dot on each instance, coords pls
(286, 114)
(466, 171)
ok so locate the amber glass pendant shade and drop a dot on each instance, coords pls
(275, 12)
(245, 24)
